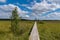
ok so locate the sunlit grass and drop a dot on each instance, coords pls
(6, 34)
(48, 30)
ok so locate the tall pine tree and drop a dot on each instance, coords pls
(15, 21)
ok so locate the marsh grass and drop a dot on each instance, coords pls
(48, 30)
(6, 34)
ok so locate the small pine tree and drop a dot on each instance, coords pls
(14, 21)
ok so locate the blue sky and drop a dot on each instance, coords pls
(31, 9)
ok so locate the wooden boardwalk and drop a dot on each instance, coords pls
(34, 33)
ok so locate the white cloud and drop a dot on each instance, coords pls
(2, 0)
(6, 10)
(54, 1)
(42, 8)
(52, 16)
(38, 9)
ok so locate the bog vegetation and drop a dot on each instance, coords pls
(48, 30)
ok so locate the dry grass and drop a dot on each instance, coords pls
(48, 30)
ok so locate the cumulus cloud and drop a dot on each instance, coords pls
(2, 0)
(52, 16)
(42, 8)
(38, 9)
(54, 1)
(6, 10)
